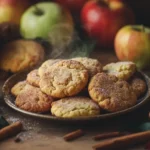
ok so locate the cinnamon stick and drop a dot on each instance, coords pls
(10, 130)
(106, 135)
(73, 135)
(123, 141)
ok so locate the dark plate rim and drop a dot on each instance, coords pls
(7, 100)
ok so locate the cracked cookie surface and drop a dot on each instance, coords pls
(64, 78)
(122, 70)
(33, 78)
(32, 99)
(92, 65)
(110, 93)
(46, 65)
(138, 86)
(72, 107)
(21, 55)
(17, 88)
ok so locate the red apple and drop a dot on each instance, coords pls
(102, 19)
(11, 10)
(132, 42)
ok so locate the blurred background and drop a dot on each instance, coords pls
(71, 28)
(140, 7)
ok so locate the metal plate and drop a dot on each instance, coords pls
(9, 100)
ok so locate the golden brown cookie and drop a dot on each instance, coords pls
(110, 93)
(92, 65)
(33, 78)
(64, 78)
(122, 70)
(46, 65)
(17, 88)
(138, 86)
(72, 107)
(32, 99)
(21, 55)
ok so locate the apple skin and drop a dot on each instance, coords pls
(132, 42)
(12, 10)
(35, 25)
(102, 19)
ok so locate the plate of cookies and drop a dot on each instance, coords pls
(80, 88)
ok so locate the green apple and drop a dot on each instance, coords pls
(132, 42)
(40, 20)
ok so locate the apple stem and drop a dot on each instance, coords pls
(139, 28)
(143, 29)
(38, 11)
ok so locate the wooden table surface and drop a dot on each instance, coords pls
(42, 134)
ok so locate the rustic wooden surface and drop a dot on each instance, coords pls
(48, 135)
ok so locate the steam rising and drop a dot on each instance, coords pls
(66, 43)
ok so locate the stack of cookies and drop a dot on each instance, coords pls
(57, 86)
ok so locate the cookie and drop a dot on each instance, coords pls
(17, 88)
(33, 78)
(72, 107)
(64, 78)
(138, 86)
(33, 100)
(92, 65)
(110, 93)
(21, 55)
(122, 70)
(46, 65)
